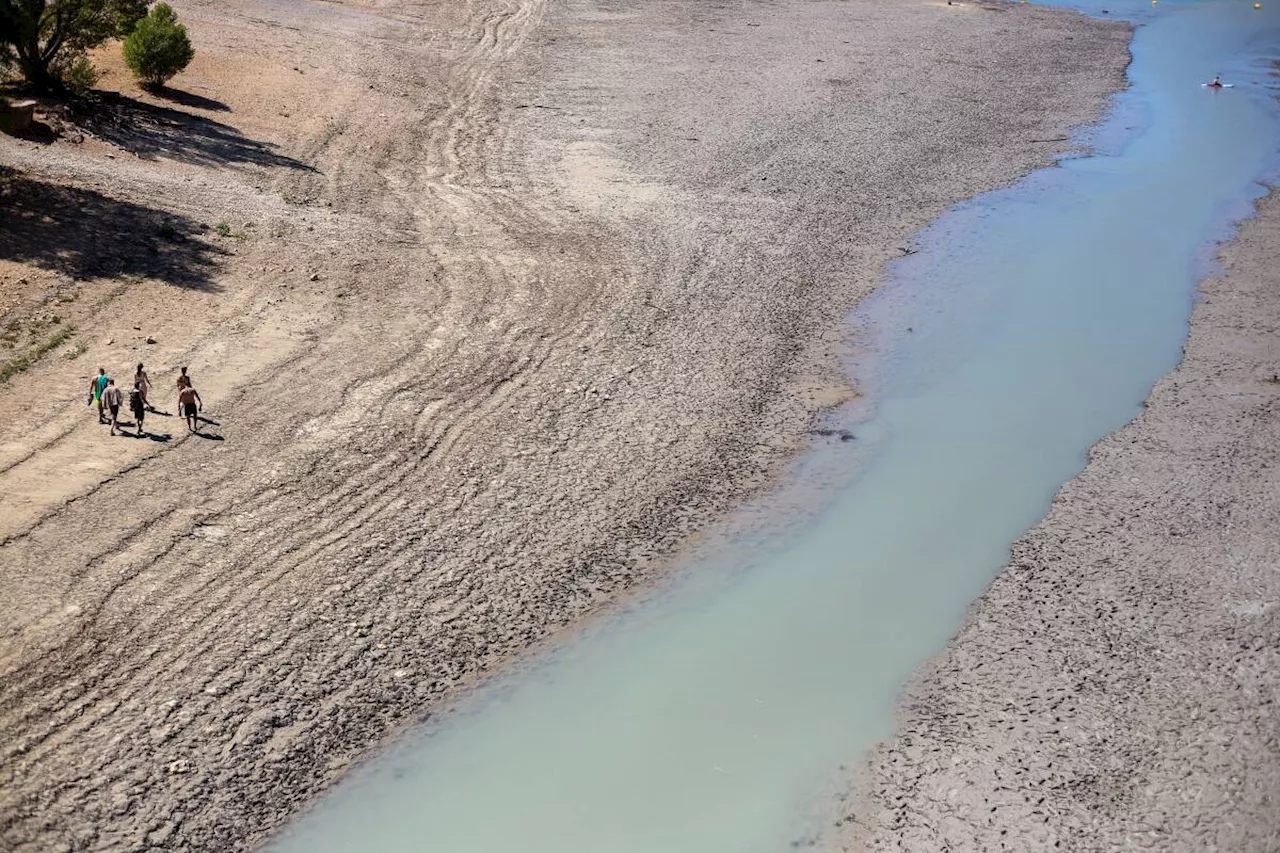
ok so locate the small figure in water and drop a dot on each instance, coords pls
(1217, 82)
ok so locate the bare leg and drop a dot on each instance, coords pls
(113, 423)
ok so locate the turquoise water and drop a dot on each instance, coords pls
(1033, 321)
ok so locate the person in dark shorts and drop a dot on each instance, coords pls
(138, 405)
(191, 405)
(112, 398)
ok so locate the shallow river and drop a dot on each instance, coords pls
(714, 717)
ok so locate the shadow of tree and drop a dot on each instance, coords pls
(38, 132)
(84, 233)
(151, 131)
(190, 99)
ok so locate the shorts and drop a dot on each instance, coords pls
(189, 410)
(115, 410)
(139, 413)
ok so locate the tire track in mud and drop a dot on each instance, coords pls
(123, 649)
(508, 423)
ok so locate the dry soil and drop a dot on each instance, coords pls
(492, 305)
(1116, 688)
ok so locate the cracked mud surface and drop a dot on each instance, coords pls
(492, 304)
(1116, 688)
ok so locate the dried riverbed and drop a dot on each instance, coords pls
(1116, 687)
(518, 297)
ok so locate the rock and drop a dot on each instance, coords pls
(150, 340)
(315, 276)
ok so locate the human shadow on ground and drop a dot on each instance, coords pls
(151, 131)
(84, 234)
(208, 436)
(162, 437)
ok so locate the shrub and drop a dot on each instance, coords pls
(158, 47)
(75, 72)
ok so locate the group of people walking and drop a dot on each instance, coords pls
(107, 395)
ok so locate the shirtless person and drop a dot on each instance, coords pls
(142, 383)
(190, 404)
(112, 398)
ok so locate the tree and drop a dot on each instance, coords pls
(128, 14)
(158, 47)
(45, 38)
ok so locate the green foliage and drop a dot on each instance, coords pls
(48, 40)
(25, 361)
(75, 72)
(158, 47)
(128, 14)
(223, 229)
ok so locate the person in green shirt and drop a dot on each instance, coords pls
(97, 385)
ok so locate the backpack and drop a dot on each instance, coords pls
(135, 400)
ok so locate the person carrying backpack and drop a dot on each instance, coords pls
(138, 405)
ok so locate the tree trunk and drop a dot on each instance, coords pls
(33, 65)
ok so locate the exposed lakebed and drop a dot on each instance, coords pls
(1031, 322)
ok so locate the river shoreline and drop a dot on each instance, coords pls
(1115, 687)
(563, 284)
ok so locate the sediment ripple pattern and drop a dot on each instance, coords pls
(550, 339)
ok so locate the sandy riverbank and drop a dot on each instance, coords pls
(510, 301)
(1116, 687)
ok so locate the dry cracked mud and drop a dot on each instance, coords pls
(493, 306)
(1116, 688)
